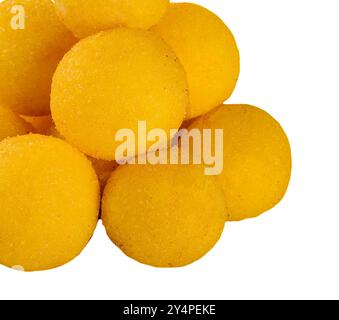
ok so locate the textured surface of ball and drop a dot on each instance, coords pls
(11, 124)
(113, 80)
(163, 215)
(208, 52)
(49, 200)
(87, 17)
(257, 158)
(29, 56)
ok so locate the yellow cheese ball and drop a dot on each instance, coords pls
(29, 56)
(88, 17)
(49, 200)
(112, 80)
(40, 124)
(208, 52)
(11, 124)
(257, 158)
(163, 215)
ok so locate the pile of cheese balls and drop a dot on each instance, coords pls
(73, 73)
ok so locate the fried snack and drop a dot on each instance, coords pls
(113, 80)
(49, 200)
(208, 52)
(87, 17)
(163, 215)
(257, 159)
(29, 56)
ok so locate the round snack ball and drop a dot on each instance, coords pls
(163, 215)
(29, 56)
(88, 17)
(11, 124)
(257, 158)
(113, 80)
(49, 199)
(41, 125)
(208, 52)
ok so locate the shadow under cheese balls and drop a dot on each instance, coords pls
(113, 80)
(207, 50)
(41, 124)
(87, 17)
(103, 168)
(29, 56)
(49, 200)
(11, 124)
(163, 215)
(256, 158)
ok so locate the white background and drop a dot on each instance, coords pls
(290, 67)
